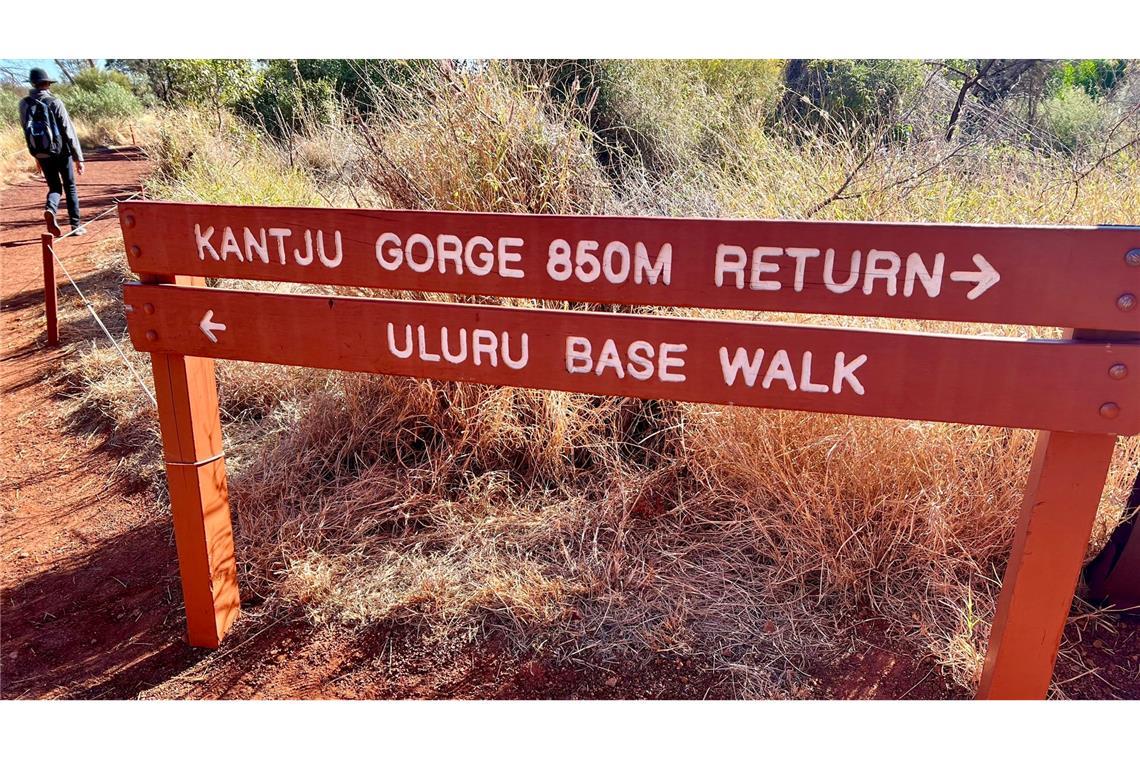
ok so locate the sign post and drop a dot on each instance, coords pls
(51, 309)
(1080, 392)
(187, 395)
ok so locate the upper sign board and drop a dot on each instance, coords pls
(1063, 276)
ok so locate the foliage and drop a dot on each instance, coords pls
(282, 101)
(364, 83)
(205, 82)
(1072, 119)
(660, 114)
(95, 95)
(196, 161)
(94, 101)
(847, 94)
(91, 79)
(291, 93)
(1097, 77)
(10, 98)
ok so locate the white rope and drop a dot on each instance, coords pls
(91, 308)
(100, 216)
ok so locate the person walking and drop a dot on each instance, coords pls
(52, 141)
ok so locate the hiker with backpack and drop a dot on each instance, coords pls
(52, 141)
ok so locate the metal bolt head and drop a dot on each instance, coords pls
(1118, 371)
(1109, 410)
(129, 220)
(136, 250)
(1132, 258)
(152, 335)
(1126, 302)
(149, 309)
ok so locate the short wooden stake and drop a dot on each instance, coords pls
(187, 395)
(1057, 514)
(50, 296)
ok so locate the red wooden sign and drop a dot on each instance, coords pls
(1081, 391)
(1062, 276)
(1054, 384)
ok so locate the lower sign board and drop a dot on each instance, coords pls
(1055, 385)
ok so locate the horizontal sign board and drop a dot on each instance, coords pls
(1056, 385)
(1063, 276)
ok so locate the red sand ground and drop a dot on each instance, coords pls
(90, 605)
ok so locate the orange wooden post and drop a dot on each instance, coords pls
(1061, 499)
(187, 395)
(1060, 504)
(50, 299)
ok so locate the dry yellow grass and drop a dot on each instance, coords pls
(15, 162)
(608, 526)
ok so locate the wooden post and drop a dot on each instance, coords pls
(50, 296)
(187, 395)
(1060, 504)
(1057, 514)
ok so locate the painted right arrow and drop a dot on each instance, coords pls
(208, 326)
(985, 278)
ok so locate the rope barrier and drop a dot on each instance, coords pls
(91, 307)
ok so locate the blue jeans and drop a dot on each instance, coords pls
(60, 175)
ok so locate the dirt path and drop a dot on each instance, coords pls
(90, 604)
(79, 556)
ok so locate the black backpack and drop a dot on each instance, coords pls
(41, 130)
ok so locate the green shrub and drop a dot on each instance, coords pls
(298, 94)
(1097, 77)
(846, 95)
(93, 79)
(194, 160)
(661, 114)
(1072, 119)
(283, 102)
(109, 100)
(10, 98)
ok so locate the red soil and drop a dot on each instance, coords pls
(90, 605)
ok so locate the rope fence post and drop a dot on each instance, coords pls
(51, 308)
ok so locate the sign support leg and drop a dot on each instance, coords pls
(187, 395)
(1057, 514)
(50, 295)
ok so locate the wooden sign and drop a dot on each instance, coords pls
(1016, 383)
(1062, 276)
(1080, 392)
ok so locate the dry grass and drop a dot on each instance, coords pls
(482, 143)
(608, 527)
(15, 162)
(133, 130)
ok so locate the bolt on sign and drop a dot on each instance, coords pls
(1080, 392)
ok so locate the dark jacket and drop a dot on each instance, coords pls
(59, 110)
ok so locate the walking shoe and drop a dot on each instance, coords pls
(80, 230)
(52, 224)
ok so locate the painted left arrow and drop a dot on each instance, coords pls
(985, 278)
(208, 326)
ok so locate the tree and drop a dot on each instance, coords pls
(214, 83)
(989, 79)
(70, 67)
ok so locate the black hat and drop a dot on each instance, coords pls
(39, 76)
